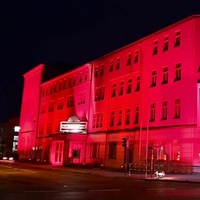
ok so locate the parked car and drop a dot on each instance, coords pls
(159, 174)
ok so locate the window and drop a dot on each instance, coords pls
(99, 93)
(178, 72)
(96, 72)
(129, 86)
(82, 96)
(129, 60)
(155, 48)
(137, 84)
(70, 101)
(176, 155)
(76, 153)
(136, 59)
(177, 108)
(113, 150)
(60, 104)
(121, 89)
(166, 44)
(161, 152)
(102, 70)
(51, 106)
(177, 39)
(111, 66)
(114, 90)
(112, 118)
(128, 116)
(165, 75)
(100, 119)
(164, 110)
(119, 118)
(152, 112)
(118, 63)
(43, 108)
(136, 121)
(94, 150)
(153, 79)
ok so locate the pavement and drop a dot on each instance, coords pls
(191, 177)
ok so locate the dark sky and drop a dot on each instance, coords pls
(73, 31)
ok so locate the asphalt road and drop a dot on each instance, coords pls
(18, 182)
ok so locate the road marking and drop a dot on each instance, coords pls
(161, 189)
(38, 191)
(106, 190)
(5, 166)
(26, 170)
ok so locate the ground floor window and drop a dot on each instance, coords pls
(113, 150)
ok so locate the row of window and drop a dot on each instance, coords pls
(61, 103)
(99, 70)
(63, 84)
(116, 118)
(165, 47)
(161, 153)
(123, 117)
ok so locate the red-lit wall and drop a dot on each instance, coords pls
(87, 92)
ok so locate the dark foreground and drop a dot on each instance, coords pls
(20, 182)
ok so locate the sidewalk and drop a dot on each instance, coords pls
(194, 177)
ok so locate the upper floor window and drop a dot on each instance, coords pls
(111, 66)
(70, 101)
(96, 72)
(112, 118)
(178, 72)
(177, 39)
(128, 116)
(166, 44)
(129, 86)
(153, 79)
(177, 110)
(152, 112)
(60, 104)
(98, 120)
(164, 110)
(155, 48)
(82, 96)
(102, 70)
(136, 121)
(137, 84)
(99, 93)
(114, 88)
(121, 89)
(118, 63)
(129, 60)
(165, 75)
(43, 108)
(136, 59)
(51, 106)
(119, 118)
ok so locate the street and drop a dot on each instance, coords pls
(21, 182)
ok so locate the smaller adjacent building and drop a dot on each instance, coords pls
(9, 137)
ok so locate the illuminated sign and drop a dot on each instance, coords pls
(73, 125)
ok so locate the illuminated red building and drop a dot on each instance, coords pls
(147, 91)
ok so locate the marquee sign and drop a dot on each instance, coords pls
(73, 125)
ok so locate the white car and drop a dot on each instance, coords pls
(159, 174)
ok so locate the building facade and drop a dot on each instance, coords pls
(147, 92)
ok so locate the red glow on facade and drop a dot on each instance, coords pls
(148, 90)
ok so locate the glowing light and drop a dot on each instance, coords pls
(16, 128)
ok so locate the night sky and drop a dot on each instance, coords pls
(72, 31)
